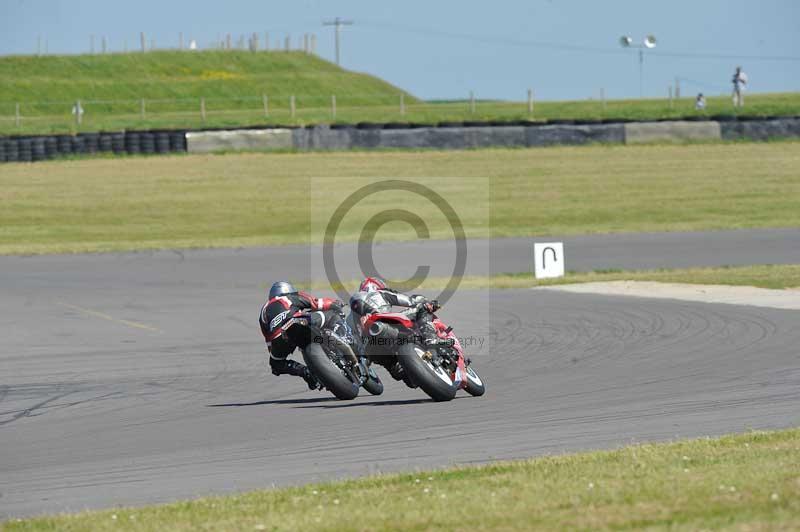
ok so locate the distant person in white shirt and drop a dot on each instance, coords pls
(739, 85)
(700, 102)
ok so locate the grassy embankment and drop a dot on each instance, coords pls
(743, 482)
(232, 84)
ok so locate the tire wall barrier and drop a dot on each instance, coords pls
(39, 148)
(393, 135)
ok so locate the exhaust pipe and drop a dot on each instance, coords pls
(381, 329)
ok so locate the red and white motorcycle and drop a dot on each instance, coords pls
(427, 350)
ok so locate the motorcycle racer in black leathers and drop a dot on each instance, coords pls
(282, 297)
(375, 297)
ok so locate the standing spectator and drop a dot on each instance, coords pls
(700, 102)
(739, 85)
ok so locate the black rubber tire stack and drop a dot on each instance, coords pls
(118, 142)
(64, 144)
(162, 141)
(132, 142)
(91, 142)
(147, 142)
(25, 150)
(38, 149)
(12, 150)
(104, 144)
(78, 145)
(50, 147)
(177, 141)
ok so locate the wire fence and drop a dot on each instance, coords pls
(292, 109)
(55, 116)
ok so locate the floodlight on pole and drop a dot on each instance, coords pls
(648, 43)
(337, 23)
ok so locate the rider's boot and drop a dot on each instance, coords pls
(291, 367)
(399, 374)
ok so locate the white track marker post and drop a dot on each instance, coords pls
(333, 106)
(141, 108)
(402, 105)
(603, 99)
(292, 105)
(265, 101)
(670, 97)
(17, 117)
(142, 41)
(548, 260)
(530, 102)
(471, 102)
(203, 109)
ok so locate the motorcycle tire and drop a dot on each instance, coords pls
(434, 381)
(474, 385)
(329, 373)
(373, 383)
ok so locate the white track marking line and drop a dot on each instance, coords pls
(101, 315)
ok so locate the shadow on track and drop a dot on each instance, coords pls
(351, 404)
(280, 402)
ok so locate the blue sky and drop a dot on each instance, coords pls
(564, 49)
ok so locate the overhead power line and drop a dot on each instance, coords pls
(566, 47)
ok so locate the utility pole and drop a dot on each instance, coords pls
(337, 23)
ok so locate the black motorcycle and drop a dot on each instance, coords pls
(329, 354)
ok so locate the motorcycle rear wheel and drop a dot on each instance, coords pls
(329, 374)
(434, 380)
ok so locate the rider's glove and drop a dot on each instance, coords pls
(432, 306)
(417, 299)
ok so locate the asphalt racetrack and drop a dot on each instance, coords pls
(140, 378)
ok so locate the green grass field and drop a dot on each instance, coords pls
(259, 199)
(743, 482)
(232, 83)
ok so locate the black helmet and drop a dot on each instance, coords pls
(281, 288)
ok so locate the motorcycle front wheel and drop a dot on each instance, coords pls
(373, 383)
(340, 382)
(474, 385)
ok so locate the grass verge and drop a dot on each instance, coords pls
(263, 199)
(741, 482)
